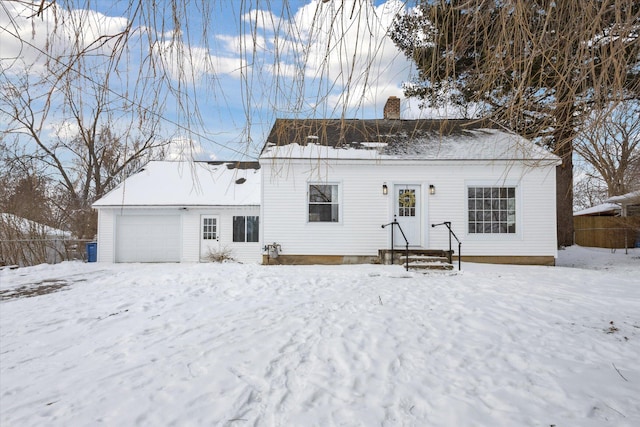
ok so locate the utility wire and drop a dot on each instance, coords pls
(123, 97)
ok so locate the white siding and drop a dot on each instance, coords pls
(535, 210)
(362, 212)
(246, 252)
(191, 235)
(106, 231)
(364, 208)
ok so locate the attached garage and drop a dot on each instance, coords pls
(176, 211)
(147, 238)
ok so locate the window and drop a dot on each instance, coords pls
(246, 228)
(406, 202)
(492, 210)
(209, 229)
(323, 203)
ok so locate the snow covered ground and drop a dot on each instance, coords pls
(241, 345)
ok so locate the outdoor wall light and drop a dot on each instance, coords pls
(432, 189)
(385, 189)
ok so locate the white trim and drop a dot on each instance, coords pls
(421, 209)
(518, 235)
(340, 203)
(202, 240)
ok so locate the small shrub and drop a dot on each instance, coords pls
(220, 255)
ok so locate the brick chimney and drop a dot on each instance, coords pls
(392, 108)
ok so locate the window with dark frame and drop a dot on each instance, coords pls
(323, 203)
(246, 228)
(492, 210)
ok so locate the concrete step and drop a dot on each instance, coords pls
(427, 259)
(430, 266)
(418, 259)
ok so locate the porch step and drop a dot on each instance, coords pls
(435, 263)
(418, 259)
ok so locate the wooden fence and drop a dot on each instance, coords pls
(607, 231)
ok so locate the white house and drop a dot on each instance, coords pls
(182, 212)
(629, 204)
(329, 185)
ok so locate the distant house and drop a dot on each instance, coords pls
(603, 209)
(177, 211)
(329, 185)
(629, 203)
(613, 224)
(24, 242)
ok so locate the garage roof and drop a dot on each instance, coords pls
(185, 183)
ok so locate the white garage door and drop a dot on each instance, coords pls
(146, 238)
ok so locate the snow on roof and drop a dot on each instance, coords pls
(186, 183)
(27, 226)
(399, 140)
(632, 197)
(599, 209)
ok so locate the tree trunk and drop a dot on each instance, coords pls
(564, 201)
(563, 135)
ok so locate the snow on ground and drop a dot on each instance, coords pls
(241, 345)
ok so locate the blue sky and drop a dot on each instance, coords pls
(257, 61)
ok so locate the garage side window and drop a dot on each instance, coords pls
(324, 205)
(209, 229)
(492, 210)
(246, 228)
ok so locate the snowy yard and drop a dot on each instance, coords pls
(243, 345)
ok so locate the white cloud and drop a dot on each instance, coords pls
(64, 130)
(328, 58)
(183, 148)
(263, 19)
(30, 41)
(340, 47)
(336, 52)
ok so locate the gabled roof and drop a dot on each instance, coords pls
(450, 139)
(186, 183)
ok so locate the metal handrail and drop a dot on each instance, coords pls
(395, 222)
(451, 233)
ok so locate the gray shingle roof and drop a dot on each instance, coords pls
(398, 139)
(350, 133)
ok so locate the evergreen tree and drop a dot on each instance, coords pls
(536, 67)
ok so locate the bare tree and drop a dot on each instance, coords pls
(27, 196)
(537, 67)
(588, 190)
(24, 242)
(85, 146)
(610, 144)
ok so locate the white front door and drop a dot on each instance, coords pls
(407, 213)
(209, 236)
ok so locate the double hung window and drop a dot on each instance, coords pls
(324, 203)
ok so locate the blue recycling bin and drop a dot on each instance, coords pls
(92, 252)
